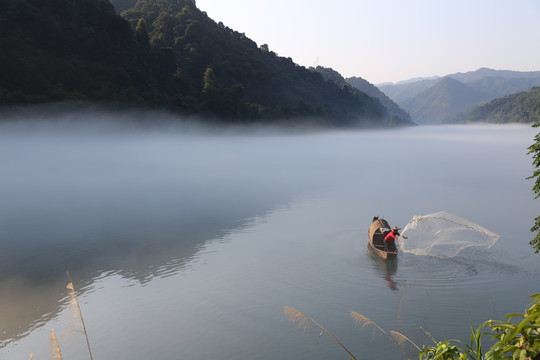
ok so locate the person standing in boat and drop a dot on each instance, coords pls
(389, 239)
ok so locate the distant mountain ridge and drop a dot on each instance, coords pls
(431, 101)
(405, 90)
(445, 97)
(481, 73)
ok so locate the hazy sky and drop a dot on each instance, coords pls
(391, 40)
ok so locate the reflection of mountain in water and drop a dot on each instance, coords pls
(32, 284)
(140, 220)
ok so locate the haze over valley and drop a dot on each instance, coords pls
(197, 167)
(441, 99)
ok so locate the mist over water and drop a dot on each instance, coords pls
(187, 241)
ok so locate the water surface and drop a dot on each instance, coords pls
(187, 243)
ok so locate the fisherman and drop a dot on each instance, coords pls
(389, 239)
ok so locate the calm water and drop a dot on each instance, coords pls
(186, 243)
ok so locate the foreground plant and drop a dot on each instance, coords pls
(76, 312)
(397, 338)
(521, 340)
(444, 350)
(514, 341)
(56, 354)
(304, 321)
(534, 149)
(76, 315)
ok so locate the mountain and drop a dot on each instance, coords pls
(166, 54)
(430, 101)
(405, 90)
(482, 73)
(416, 79)
(77, 49)
(366, 89)
(448, 95)
(523, 107)
(370, 89)
(498, 86)
(245, 80)
(493, 83)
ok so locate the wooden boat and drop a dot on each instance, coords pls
(377, 231)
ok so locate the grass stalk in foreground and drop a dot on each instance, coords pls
(304, 321)
(56, 354)
(514, 340)
(75, 307)
(397, 338)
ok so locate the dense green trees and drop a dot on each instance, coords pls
(122, 5)
(534, 149)
(271, 86)
(160, 56)
(361, 87)
(523, 107)
(58, 50)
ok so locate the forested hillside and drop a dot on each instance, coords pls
(371, 90)
(62, 50)
(362, 87)
(167, 53)
(237, 77)
(523, 107)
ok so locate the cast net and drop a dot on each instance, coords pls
(443, 234)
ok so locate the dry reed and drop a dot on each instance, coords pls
(304, 321)
(402, 339)
(397, 338)
(56, 354)
(365, 322)
(76, 311)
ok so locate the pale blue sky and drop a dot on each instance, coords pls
(391, 40)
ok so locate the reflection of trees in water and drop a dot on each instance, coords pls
(386, 268)
(33, 270)
(27, 305)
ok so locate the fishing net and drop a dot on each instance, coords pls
(443, 234)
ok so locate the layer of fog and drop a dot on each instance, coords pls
(139, 193)
(67, 174)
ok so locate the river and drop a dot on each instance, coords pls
(187, 242)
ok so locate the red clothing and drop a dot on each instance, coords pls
(391, 236)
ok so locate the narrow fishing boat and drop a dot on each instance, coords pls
(377, 231)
